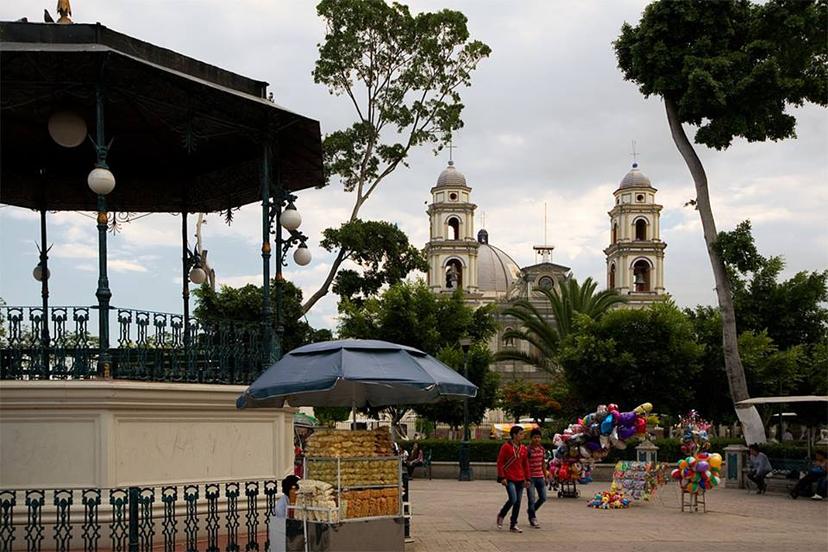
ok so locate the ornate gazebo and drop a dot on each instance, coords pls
(94, 120)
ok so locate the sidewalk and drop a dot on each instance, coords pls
(450, 516)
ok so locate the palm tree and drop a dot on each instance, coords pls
(571, 299)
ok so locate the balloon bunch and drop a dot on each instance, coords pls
(591, 438)
(698, 473)
(607, 500)
(694, 436)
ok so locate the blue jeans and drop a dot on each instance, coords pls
(514, 490)
(538, 485)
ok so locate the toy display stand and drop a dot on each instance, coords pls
(568, 489)
(691, 501)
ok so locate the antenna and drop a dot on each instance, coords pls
(544, 250)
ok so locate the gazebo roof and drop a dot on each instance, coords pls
(185, 135)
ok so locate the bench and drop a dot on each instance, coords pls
(786, 472)
(426, 465)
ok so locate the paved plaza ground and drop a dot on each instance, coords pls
(451, 516)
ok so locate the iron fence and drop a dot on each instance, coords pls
(221, 516)
(147, 346)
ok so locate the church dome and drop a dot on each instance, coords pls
(451, 176)
(496, 271)
(635, 179)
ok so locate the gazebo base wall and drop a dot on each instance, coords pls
(116, 433)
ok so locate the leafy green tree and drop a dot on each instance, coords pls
(329, 415)
(521, 398)
(402, 74)
(408, 313)
(566, 303)
(634, 356)
(450, 411)
(729, 68)
(792, 312)
(380, 249)
(244, 304)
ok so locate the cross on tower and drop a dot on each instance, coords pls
(451, 147)
(634, 154)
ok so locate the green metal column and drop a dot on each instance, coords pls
(44, 292)
(267, 309)
(103, 292)
(185, 275)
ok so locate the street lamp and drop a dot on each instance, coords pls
(465, 461)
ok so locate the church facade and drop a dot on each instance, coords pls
(461, 258)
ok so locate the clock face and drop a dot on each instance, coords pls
(546, 283)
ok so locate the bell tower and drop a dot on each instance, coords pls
(635, 256)
(452, 247)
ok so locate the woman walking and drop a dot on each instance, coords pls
(538, 476)
(512, 473)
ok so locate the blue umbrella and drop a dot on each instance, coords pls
(355, 373)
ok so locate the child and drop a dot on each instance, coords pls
(538, 476)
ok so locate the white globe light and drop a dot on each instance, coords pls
(38, 273)
(197, 275)
(290, 218)
(101, 181)
(302, 255)
(67, 128)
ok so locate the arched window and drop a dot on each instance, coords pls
(641, 275)
(612, 277)
(641, 229)
(454, 274)
(454, 228)
(614, 232)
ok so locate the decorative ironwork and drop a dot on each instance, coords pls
(212, 491)
(131, 524)
(231, 492)
(90, 529)
(34, 521)
(169, 496)
(63, 527)
(191, 520)
(146, 527)
(148, 346)
(277, 205)
(251, 491)
(8, 500)
(119, 527)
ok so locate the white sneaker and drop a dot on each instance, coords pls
(816, 497)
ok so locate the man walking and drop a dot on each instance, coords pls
(538, 476)
(512, 473)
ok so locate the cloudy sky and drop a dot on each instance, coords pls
(549, 120)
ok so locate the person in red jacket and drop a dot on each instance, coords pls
(512, 473)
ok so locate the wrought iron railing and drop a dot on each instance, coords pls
(144, 345)
(226, 515)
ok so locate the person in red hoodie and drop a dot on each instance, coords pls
(512, 473)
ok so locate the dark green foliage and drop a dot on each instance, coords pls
(380, 249)
(730, 66)
(408, 313)
(450, 411)
(245, 304)
(329, 415)
(634, 356)
(566, 302)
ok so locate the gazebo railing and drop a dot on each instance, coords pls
(144, 345)
(205, 516)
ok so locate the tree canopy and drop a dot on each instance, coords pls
(402, 74)
(639, 355)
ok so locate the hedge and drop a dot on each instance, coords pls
(444, 450)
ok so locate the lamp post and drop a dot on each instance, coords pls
(41, 273)
(465, 462)
(278, 213)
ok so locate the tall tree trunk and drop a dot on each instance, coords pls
(751, 422)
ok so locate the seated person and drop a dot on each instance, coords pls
(415, 458)
(760, 467)
(815, 475)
